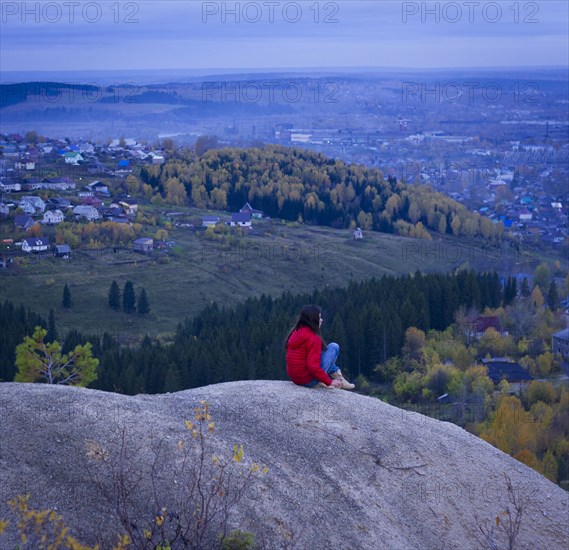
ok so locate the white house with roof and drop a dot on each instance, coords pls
(157, 158)
(242, 219)
(52, 217)
(25, 165)
(37, 202)
(73, 157)
(97, 187)
(86, 211)
(10, 187)
(58, 184)
(525, 215)
(27, 207)
(130, 206)
(35, 244)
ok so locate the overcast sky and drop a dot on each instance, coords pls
(188, 34)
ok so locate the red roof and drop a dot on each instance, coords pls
(484, 323)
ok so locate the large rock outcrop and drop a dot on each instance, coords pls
(345, 471)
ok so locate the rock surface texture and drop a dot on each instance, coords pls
(345, 471)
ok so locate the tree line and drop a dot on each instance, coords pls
(368, 319)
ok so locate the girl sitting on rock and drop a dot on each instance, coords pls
(309, 362)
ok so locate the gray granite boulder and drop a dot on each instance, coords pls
(345, 471)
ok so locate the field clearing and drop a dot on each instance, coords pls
(273, 257)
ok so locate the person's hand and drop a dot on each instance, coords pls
(337, 383)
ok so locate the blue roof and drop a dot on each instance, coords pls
(241, 217)
(512, 372)
(124, 162)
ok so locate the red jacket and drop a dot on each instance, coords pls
(303, 352)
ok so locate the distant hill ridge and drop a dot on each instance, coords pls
(345, 471)
(12, 94)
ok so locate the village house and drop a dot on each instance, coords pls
(92, 201)
(25, 165)
(32, 185)
(27, 208)
(58, 184)
(87, 148)
(23, 221)
(358, 233)
(501, 368)
(35, 244)
(113, 212)
(240, 219)
(97, 187)
(143, 245)
(73, 157)
(209, 221)
(10, 151)
(10, 187)
(86, 211)
(59, 202)
(157, 158)
(248, 209)
(37, 203)
(4, 210)
(560, 343)
(525, 215)
(62, 251)
(483, 323)
(53, 217)
(130, 206)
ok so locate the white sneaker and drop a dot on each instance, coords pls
(345, 384)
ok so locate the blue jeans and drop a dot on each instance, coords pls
(327, 362)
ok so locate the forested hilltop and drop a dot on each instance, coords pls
(296, 184)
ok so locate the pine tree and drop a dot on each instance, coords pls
(525, 291)
(552, 296)
(143, 306)
(39, 360)
(172, 380)
(114, 296)
(51, 329)
(510, 291)
(66, 301)
(128, 298)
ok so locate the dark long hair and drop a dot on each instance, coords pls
(309, 317)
